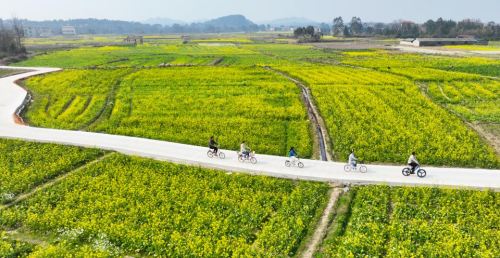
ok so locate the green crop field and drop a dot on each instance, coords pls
(359, 106)
(139, 206)
(24, 165)
(415, 222)
(185, 105)
(260, 105)
(384, 104)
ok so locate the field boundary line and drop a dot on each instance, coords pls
(321, 230)
(490, 139)
(52, 182)
(442, 92)
(319, 122)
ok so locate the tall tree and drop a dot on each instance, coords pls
(18, 30)
(346, 31)
(356, 26)
(338, 26)
(309, 30)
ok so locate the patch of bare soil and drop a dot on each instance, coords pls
(349, 45)
(18, 120)
(13, 235)
(490, 132)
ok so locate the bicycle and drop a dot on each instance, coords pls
(420, 172)
(211, 153)
(362, 168)
(295, 161)
(251, 156)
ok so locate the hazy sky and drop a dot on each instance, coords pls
(255, 10)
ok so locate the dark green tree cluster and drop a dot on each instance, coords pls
(401, 29)
(307, 34)
(449, 28)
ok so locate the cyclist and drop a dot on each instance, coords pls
(212, 144)
(244, 149)
(413, 162)
(292, 154)
(352, 159)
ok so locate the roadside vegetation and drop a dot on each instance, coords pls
(415, 222)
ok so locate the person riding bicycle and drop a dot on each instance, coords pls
(292, 154)
(244, 149)
(413, 162)
(212, 144)
(352, 159)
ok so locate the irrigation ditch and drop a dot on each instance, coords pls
(318, 121)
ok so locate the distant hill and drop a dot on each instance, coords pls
(164, 21)
(201, 21)
(231, 23)
(98, 26)
(290, 21)
(234, 21)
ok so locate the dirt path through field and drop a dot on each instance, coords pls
(319, 123)
(25, 196)
(321, 229)
(492, 139)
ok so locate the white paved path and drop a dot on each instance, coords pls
(12, 96)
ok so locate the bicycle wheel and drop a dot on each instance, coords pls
(222, 155)
(210, 154)
(363, 169)
(287, 163)
(241, 159)
(253, 160)
(406, 171)
(300, 165)
(421, 173)
(347, 168)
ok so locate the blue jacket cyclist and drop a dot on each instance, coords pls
(292, 153)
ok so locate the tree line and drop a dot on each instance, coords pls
(439, 28)
(307, 34)
(231, 23)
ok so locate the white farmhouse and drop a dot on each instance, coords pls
(69, 31)
(37, 32)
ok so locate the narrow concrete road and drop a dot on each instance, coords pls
(12, 96)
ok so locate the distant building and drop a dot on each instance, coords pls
(406, 24)
(428, 42)
(69, 31)
(45, 32)
(37, 32)
(30, 31)
(134, 39)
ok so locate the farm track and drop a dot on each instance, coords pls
(319, 123)
(490, 138)
(13, 235)
(35, 190)
(321, 230)
(12, 97)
